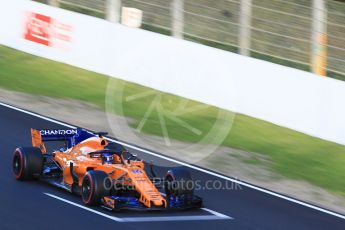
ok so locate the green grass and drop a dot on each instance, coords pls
(293, 154)
(31, 74)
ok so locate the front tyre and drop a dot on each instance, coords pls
(95, 186)
(178, 181)
(27, 163)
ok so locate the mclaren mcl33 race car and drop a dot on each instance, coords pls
(101, 172)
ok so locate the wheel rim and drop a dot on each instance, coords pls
(17, 165)
(86, 189)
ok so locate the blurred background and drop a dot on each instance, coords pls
(303, 34)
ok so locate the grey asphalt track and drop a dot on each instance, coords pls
(25, 205)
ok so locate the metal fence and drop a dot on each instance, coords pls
(276, 30)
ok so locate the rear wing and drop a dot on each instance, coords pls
(71, 136)
(37, 140)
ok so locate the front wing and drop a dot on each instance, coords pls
(116, 203)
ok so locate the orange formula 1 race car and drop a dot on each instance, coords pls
(103, 173)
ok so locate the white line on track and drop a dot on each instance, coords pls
(220, 215)
(85, 208)
(174, 218)
(215, 215)
(190, 166)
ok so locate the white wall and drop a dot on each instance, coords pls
(282, 95)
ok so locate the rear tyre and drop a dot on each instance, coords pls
(95, 186)
(27, 163)
(178, 181)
